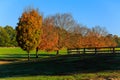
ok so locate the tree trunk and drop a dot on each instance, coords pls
(28, 55)
(57, 52)
(37, 52)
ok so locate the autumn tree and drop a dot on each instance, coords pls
(109, 41)
(117, 40)
(99, 31)
(49, 37)
(81, 36)
(77, 36)
(29, 30)
(99, 37)
(95, 37)
(62, 22)
(82, 31)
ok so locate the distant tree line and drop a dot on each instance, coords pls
(62, 31)
(79, 33)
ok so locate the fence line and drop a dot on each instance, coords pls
(94, 50)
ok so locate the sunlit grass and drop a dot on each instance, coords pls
(16, 53)
(18, 50)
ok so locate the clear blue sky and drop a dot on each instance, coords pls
(105, 13)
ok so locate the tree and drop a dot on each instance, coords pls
(62, 22)
(109, 41)
(12, 35)
(99, 37)
(49, 37)
(81, 32)
(117, 40)
(99, 31)
(29, 30)
(4, 38)
(81, 36)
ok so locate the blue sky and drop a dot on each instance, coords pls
(105, 13)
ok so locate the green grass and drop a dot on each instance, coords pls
(87, 76)
(61, 67)
(17, 50)
(18, 54)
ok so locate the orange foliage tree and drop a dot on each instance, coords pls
(98, 37)
(29, 30)
(61, 31)
(62, 22)
(81, 36)
(49, 37)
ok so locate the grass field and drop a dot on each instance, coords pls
(18, 54)
(62, 67)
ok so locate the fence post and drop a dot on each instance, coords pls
(95, 50)
(68, 51)
(78, 51)
(113, 50)
(83, 50)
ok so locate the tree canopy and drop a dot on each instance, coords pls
(7, 36)
(29, 30)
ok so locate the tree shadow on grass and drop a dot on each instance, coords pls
(18, 57)
(25, 55)
(62, 65)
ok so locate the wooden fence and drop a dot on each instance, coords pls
(94, 50)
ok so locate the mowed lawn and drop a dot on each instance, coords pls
(61, 67)
(18, 54)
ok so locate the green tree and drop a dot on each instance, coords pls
(12, 35)
(4, 38)
(29, 30)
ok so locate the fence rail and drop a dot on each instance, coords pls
(94, 50)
